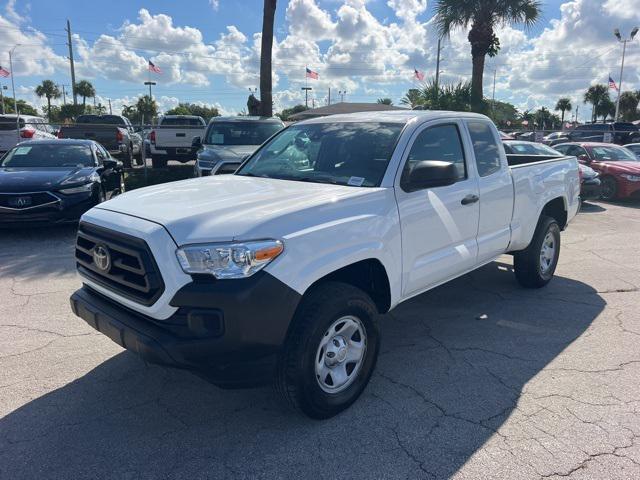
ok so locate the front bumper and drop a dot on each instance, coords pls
(68, 209)
(627, 188)
(228, 332)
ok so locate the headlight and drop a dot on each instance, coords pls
(87, 187)
(230, 260)
(631, 178)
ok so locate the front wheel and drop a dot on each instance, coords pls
(158, 161)
(534, 266)
(330, 352)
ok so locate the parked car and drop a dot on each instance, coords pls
(619, 133)
(278, 271)
(14, 130)
(520, 147)
(114, 132)
(55, 181)
(505, 136)
(618, 167)
(590, 184)
(528, 136)
(635, 148)
(554, 137)
(229, 140)
(173, 137)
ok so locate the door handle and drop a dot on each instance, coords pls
(469, 199)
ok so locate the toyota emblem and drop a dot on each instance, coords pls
(102, 258)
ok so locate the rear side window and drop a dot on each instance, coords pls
(182, 122)
(485, 148)
(441, 142)
(8, 123)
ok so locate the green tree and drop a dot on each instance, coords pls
(287, 112)
(266, 97)
(504, 114)
(563, 105)
(483, 16)
(413, 98)
(606, 108)
(70, 111)
(147, 108)
(597, 96)
(385, 101)
(49, 90)
(85, 89)
(24, 107)
(194, 109)
(629, 105)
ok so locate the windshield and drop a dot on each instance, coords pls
(48, 155)
(612, 154)
(240, 133)
(355, 154)
(529, 149)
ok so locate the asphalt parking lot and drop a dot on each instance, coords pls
(477, 379)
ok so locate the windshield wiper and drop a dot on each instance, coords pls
(249, 174)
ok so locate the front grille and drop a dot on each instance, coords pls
(131, 270)
(26, 201)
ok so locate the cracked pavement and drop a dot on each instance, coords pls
(476, 379)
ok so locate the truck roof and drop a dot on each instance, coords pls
(394, 116)
(247, 118)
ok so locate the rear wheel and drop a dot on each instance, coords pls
(331, 350)
(534, 266)
(609, 189)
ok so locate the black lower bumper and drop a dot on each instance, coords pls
(251, 322)
(68, 211)
(591, 189)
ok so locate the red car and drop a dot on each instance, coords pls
(618, 167)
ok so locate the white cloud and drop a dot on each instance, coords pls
(215, 4)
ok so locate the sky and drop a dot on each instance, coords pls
(209, 50)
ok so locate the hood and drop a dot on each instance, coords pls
(35, 179)
(214, 153)
(231, 207)
(632, 168)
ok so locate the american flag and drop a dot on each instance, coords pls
(153, 68)
(419, 75)
(311, 74)
(4, 72)
(612, 84)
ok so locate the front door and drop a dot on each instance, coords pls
(439, 225)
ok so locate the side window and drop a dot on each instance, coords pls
(100, 153)
(441, 142)
(485, 148)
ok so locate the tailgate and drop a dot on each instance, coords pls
(177, 137)
(105, 136)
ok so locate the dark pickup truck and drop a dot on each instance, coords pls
(114, 132)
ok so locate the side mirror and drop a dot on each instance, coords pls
(196, 142)
(584, 158)
(430, 174)
(110, 163)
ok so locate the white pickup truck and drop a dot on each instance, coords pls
(172, 139)
(278, 271)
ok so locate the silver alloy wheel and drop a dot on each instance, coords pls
(340, 354)
(547, 253)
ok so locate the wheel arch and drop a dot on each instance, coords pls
(368, 275)
(556, 209)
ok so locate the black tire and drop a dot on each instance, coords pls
(140, 157)
(127, 159)
(102, 196)
(529, 269)
(609, 189)
(159, 161)
(296, 379)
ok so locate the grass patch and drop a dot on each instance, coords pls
(135, 178)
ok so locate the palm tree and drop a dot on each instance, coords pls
(483, 16)
(85, 89)
(563, 105)
(596, 95)
(413, 98)
(49, 90)
(147, 107)
(266, 98)
(385, 101)
(629, 105)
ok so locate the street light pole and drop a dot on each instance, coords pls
(150, 83)
(616, 32)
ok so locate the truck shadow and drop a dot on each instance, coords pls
(453, 366)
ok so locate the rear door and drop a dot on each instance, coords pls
(496, 190)
(438, 228)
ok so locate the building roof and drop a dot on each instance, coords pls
(342, 108)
